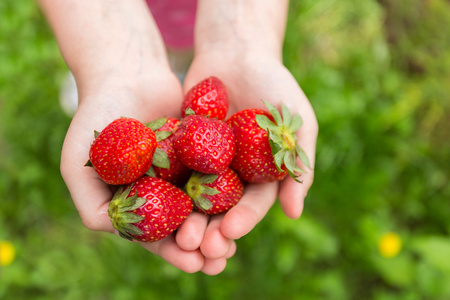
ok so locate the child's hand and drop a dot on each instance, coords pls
(249, 80)
(158, 94)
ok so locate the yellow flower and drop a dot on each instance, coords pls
(7, 253)
(389, 244)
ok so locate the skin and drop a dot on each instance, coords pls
(120, 66)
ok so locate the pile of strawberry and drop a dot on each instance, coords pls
(168, 167)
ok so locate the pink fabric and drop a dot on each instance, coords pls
(175, 20)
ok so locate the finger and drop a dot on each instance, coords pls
(92, 202)
(253, 206)
(231, 250)
(90, 194)
(168, 249)
(292, 194)
(215, 245)
(214, 266)
(191, 232)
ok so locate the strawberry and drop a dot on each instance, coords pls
(215, 194)
(266, 144)
(208, 98)
(171, 169)
(149, 209)
(203, 144)
(123, 151)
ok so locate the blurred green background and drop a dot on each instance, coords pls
(378, 76)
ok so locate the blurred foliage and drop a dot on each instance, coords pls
(377, 74)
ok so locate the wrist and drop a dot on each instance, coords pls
(236, 61)
(101, 39)
(241, 27)
(238, 48)
(121, 88)
(124, 73)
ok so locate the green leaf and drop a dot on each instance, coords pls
(295, 177)
(297, 169)
(126, 201)
(127, 217)
(434, 249)
(209, 191)
(151, 172)
(276, 138)
(131, 229)
(162, 135)
(125, 235)
(189, 111)
(302, 154)
(208, 178)
(133, 204)
(156, 124)
(96, 133)
(274, 147)
(279, 157)
(265, 123)
(289, 161)
(203, 203)
(116, 204)
(121, 195)
(274, 112)
(295, 123)
(88, 164)
(161, 159)
(286, 114)
(399, 271)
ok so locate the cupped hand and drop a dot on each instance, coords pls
(250, 79)
(144, 98)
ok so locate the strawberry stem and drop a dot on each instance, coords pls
(193, 186)
(197, 190)
(290, 141)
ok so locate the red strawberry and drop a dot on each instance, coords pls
(172, 170)
(123, 151)
(207, 98)
(214, 194)
(266, 145)
(203, 144)
(149, 209)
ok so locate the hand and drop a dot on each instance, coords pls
(145, 98)
(250, 78)
(117, 56)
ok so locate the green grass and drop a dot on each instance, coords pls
(377, 74)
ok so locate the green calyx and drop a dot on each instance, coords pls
(89, 163)
(283, 140)
(197, 190)
(158, 124)
(160, 158)
(121, 215)
(189, 112)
